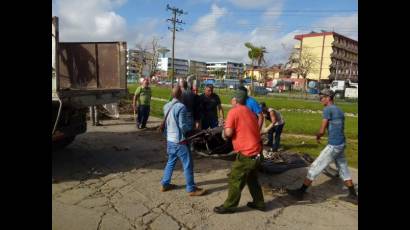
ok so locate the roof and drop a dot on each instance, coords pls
(301, 36)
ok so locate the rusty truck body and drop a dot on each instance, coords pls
(83, 74)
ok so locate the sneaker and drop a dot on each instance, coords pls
(197, 192)
(296, 193)
(351, 199)
(252, 205)
(222, 210)
(167, 188)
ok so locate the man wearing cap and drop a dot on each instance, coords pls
(141, 103)
(333, 120)
(253, 105)
(242, 127)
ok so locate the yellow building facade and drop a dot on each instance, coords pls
(335, 56)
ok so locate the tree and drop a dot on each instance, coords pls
(306, 63)
(219, 73)
(155, 55)
(257, 56)
(148, 55)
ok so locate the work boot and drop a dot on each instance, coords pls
(197, 192)
(296, 193)
(351, 198)
(253, 205)
(167, 187)
(222, 210)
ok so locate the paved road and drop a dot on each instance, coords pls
(109, 179)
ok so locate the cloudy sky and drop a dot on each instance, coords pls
(214, 30)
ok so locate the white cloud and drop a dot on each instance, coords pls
(91, 20)
(253, 4)
(209, 21)
(273, 11)
(345, 25)
(208, 42)
(143, 35)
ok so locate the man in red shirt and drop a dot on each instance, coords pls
(242, 126)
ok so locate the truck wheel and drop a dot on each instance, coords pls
(338, 95)
(60, 144)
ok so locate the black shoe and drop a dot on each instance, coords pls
(296, 193)
(354, 199)
(252, 205)
(268, 145)
(222, 210)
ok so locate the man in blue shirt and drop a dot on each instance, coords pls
(177, 125)
(253, 105)
(333, 120)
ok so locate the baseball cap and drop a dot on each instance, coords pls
(240, 95)
(327, 92)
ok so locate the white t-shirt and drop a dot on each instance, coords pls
(278, 115)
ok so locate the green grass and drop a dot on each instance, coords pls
(277, 102)
(160, 92)
(309, 124)
(310, 146)
(300, 124)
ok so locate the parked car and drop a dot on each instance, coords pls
(259, 90)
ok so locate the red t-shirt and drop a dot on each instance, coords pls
(246, 138)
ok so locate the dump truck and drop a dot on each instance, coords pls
(83, 74)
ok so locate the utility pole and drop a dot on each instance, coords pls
(174, 20)
(321, 59)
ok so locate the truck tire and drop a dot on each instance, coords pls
(60, 144)
(339, 96)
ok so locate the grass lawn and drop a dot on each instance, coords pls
(271, 101)
(310, 146)
(297, 123)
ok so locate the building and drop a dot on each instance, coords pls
(139, 64)
(198, 68)
(232, 70)
(335, 56)
(165, 66)
(264, 74)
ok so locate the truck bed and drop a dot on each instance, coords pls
(91, 73)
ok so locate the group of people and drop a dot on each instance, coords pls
(244, 125)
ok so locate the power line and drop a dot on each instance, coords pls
(175, 21)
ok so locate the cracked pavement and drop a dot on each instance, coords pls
(108, 178)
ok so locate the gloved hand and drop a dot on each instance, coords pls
(220, 122)
(266, 129)
(223, 135)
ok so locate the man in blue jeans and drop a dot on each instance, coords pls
(333, 120)
(276, 126)
(177, 125)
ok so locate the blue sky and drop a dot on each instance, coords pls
(215, 30)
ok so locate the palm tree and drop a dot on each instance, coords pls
(257, 56)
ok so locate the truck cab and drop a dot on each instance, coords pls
(344, 89)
